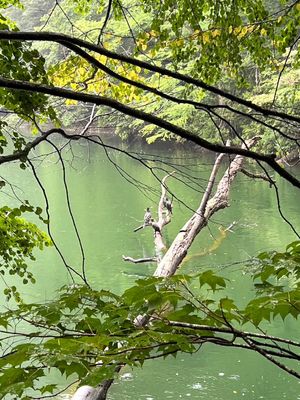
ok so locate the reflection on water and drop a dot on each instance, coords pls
(107, 209)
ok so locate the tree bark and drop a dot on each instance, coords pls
(84, 393)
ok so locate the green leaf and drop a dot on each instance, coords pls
(48, 388)
(212, 280)
(98, 375)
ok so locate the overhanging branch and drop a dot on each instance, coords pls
(269, 159)
(66, 39)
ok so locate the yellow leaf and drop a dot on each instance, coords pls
(216, 32)
(132, 75)
(70, 102)
(230, 29)
(206, 37)
(102, 58)
(263, 32)
(279, 19)
(298, 6)
(81, 71)
(243, 32)
(144, 47)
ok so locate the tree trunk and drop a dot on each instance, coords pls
(179, 248)
(90, 393)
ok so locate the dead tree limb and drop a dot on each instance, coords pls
(139, 260)
(179, 248)
(139, 228)
(164, 218)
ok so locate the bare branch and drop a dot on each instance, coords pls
(107, 15)
(162, 218)
(139, 260)
(256, 176)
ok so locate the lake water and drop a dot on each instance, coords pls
(107, 208)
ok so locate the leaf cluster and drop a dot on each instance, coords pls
(88, 334)
(18, 240)
(277, 282)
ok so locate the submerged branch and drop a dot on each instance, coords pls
(139, 260)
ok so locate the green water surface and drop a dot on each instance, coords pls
(107, 209)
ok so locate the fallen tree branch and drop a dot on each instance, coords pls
(141, 227)
(139, 260)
